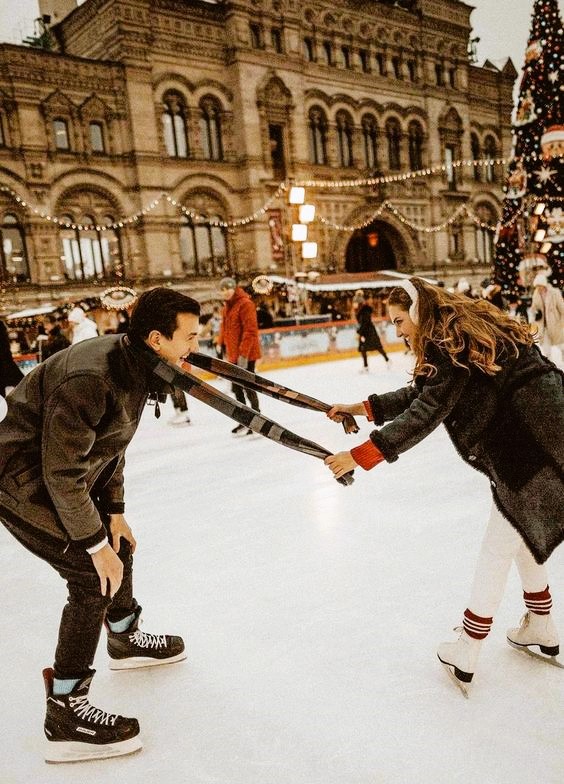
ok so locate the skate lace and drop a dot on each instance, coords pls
(145, 640)
(84, 710)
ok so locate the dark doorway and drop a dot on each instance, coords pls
(276, 138)
(370, 249)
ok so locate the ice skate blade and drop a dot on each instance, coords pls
(450, 672)
(553, 660)
(74, 751)
(136, 662)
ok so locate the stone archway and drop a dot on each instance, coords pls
(379, 246)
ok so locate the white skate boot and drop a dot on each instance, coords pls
(459, 659)
(537, 631)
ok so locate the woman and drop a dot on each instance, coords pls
(368, 338)
(479, 372)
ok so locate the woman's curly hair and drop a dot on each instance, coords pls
(474, 333)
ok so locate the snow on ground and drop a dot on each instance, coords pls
(311, 614)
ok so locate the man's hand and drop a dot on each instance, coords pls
(119, 529)
(109, 568)
(341, 463)
(336, 412)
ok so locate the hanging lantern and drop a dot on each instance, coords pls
(307, 213)
(309, 250)
(299, 232)
(297, 195)
(373, 239)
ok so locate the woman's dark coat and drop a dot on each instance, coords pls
(509, 426)
(368, 339)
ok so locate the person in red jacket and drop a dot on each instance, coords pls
(239, 337)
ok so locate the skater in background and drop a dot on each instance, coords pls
(478, 372)
(83, 328)
(62, 447)
(548, 314)
(368, 338)
(181, 415)
(10, 374)
(56, 341)
(239, 337)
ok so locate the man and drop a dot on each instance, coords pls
(83, 328)
(240, 337)
(62, 448)
(56, 341)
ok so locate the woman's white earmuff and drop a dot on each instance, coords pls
(408, 286)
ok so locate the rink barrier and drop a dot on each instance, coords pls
(282, 347)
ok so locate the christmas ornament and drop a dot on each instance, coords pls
(517, 182)
(526, 111)
(533, 51)
(552, 142)
(555, 225)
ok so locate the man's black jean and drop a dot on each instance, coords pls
(83, 614)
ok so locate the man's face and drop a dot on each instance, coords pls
(184, 339)
(226, 294)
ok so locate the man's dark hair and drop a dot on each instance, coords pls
(157, 309)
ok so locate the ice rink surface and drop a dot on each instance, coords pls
(311, 614)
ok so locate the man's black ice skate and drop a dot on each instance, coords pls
(134, 648)
(76, 730)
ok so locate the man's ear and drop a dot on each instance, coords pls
(153, 340)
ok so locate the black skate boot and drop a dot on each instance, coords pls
(76, 730)
(134, 648)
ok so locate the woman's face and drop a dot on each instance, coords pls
(405, 328)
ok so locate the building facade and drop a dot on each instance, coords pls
(149, 143)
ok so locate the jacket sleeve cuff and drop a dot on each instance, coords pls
(368, 409)
(92, 541)
(114, 507)
(367, 455)
(377, 410)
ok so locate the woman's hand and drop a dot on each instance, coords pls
(336, 411)
(341, 463)
(119, 529)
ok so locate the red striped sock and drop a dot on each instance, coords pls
(475, 626)
(540, 603)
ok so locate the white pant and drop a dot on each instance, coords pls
(502, 545)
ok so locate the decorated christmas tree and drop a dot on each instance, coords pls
(530, 235)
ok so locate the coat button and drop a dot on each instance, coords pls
(471, 458)
(493, 484)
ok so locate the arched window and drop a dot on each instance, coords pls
(317, 135)
(415, 146)
(309, 50)
(13, 257)
(370, 141)
(203, 247)
(490, 152)
(345, 138)
(393, 135)
(2, 134)
(327, 50)
(96, 132)
(476, 153)
(210, 129)
(174, 125)
(61, 134)
(91, 249)
(485, 237)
